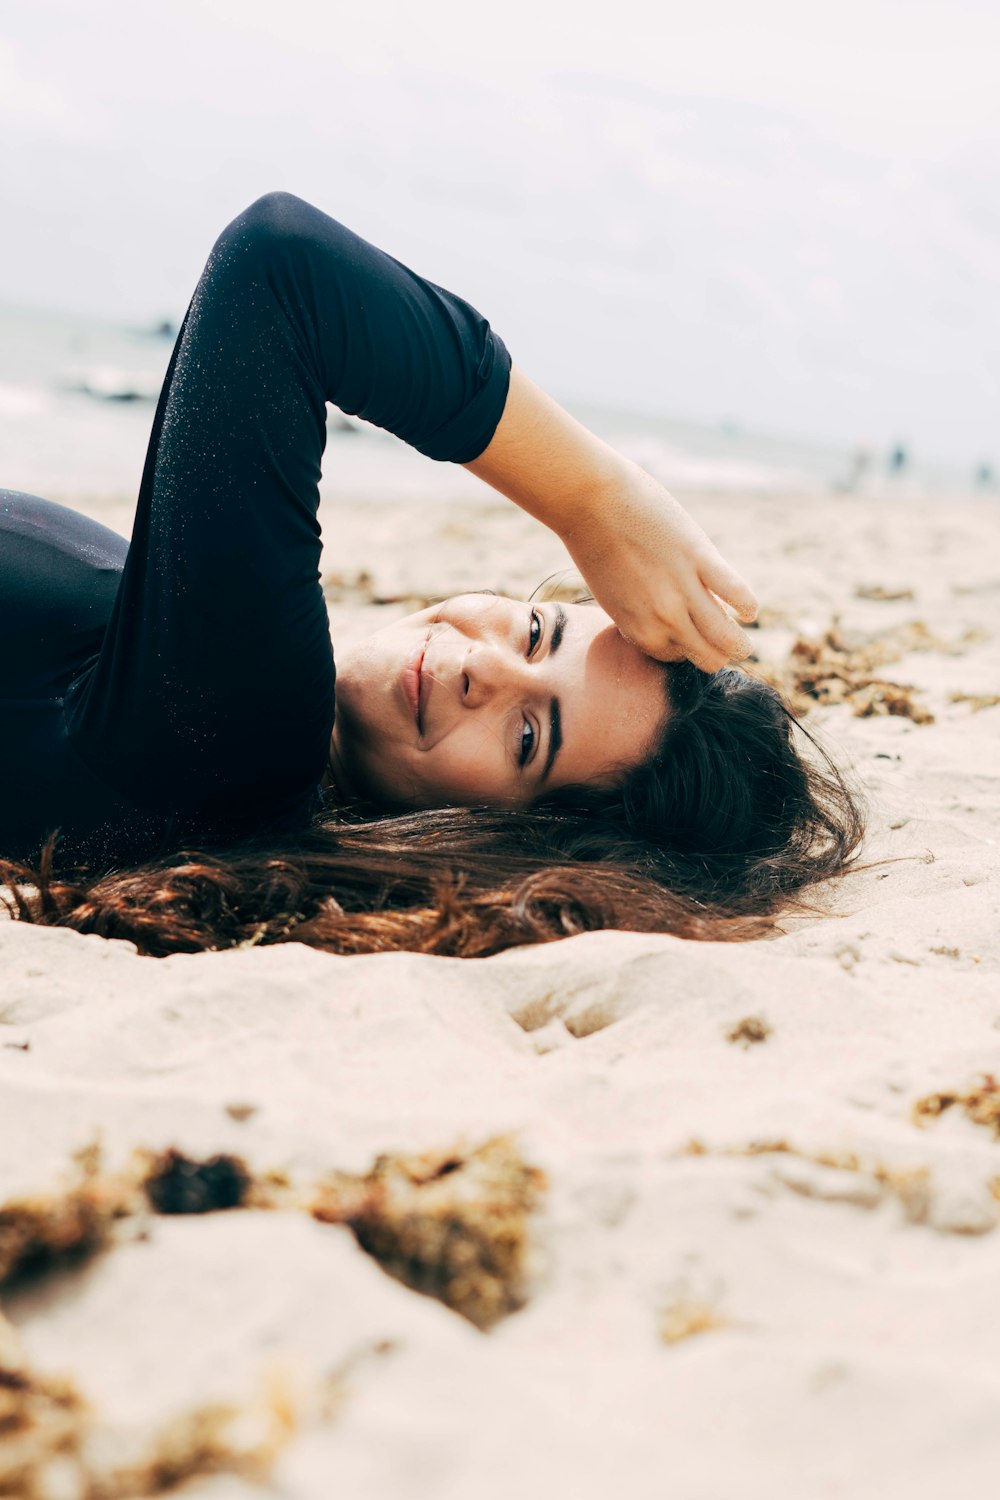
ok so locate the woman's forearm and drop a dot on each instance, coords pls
(645, 560)
(546, 462)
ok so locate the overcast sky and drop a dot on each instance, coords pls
(782, 213)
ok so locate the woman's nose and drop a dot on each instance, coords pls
(487, 671)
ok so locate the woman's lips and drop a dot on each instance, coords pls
(412, 684)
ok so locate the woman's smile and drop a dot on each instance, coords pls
(411, 683)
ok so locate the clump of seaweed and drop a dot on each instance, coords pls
(834, 669)
(43, 1423)
(218, 1438)
(841, 667)
(65, 1225)
(976, 701)
(980, 1101)
(453, 1225)
(879, 698)
(177, 1184)
(749, 1030)
(450, 1224)
(52, 1445)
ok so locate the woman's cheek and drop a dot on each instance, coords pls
(480, 770)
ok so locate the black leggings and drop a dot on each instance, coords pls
(212, 694)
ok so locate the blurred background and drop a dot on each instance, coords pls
(758, 246)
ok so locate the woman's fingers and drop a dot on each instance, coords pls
(658, 576)
(686, 641)
(718, 633)
(727, 583)
(695, 626)
(706, 659)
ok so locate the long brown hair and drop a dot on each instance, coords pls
(738, 813)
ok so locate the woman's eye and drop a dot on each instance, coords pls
(534, 631)
(527, 744)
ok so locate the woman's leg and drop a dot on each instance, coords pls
(215, 686)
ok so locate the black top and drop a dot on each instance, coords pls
(180, 689)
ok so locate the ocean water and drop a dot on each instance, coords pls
(77, 397)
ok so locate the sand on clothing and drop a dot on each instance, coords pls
(760, 1265)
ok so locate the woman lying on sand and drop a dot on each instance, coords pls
(496, 772)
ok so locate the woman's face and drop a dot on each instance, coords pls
(484, 699)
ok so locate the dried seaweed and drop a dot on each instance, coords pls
(63, 1226)
(976, 701)
(43, 1423)
(46, 1231)
(176, 1184)
(980, 1101)
(51, 1443)
(845, 667)
(749, 1030)
(218, 1438)
(451, 1225)
(836, 668)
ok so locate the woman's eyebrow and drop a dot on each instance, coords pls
(557, 630)
(555, 734)
(555, 713)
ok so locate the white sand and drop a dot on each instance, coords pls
(858, 1302)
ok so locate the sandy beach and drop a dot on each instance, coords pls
(697, 1220)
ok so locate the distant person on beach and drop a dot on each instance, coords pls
(184, 767)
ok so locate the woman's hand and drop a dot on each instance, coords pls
(646, 562)
(655, 572)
